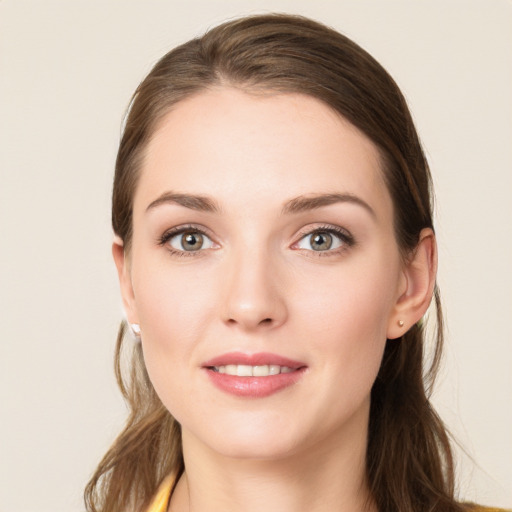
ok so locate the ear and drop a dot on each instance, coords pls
(123, 271)
(416, 287)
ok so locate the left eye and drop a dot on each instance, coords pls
(190, 241)
(321, 241)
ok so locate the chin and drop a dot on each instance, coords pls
(252, 438)
(274, 448)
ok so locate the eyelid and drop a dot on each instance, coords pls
(342, 234)
(184, 228)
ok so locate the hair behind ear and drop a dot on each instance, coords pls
(409, 460)
(145, 452)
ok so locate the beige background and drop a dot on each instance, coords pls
(67, 70)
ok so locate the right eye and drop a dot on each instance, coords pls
(189, 241)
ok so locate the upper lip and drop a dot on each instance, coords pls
(259, 359)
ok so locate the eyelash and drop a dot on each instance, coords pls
(344, 236)
(171, 233)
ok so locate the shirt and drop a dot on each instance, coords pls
(160, 501)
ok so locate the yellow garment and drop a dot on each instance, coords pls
(160, 501)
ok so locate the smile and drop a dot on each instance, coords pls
(253, 375)
(244, 370)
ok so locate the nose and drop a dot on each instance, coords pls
(255, 294)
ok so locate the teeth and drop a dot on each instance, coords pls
(273, 369)
(260, 371)
(244, 370)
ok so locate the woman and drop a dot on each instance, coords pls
(276, 254)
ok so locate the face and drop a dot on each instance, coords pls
(264, 272)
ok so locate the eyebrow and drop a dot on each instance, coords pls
(199, 203)
(311, 202)
(296, 205)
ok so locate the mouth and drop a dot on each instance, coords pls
(244, 370)
(254, 375)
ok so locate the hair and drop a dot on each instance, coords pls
(409, 464)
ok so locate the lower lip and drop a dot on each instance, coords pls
(254, 387)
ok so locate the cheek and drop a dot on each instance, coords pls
(175, 308)
(172, 301)
(350, 298)
(346, 314)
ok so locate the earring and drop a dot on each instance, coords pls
(135, 330)
(400, 323)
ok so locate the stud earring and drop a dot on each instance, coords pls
(400, 323)
(135, 330)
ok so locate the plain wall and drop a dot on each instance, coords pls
(67, 70)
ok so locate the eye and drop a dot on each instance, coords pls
(323, 240)
(189, 240)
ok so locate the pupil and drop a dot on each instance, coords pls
(192, 241)
(322, 241)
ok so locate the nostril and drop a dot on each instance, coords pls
(265, 321)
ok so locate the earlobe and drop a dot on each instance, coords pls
(419, 277)
(123, 271)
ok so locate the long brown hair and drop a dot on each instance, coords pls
(409, 462)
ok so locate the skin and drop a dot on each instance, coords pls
(257, 285)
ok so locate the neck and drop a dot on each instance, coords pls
(329, 476)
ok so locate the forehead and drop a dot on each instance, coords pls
(245, 149)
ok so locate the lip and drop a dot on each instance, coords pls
(253, 387)
(258, 359)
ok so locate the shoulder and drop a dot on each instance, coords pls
(471, 507)
(160, 500)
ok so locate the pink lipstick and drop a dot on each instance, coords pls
(253, 375)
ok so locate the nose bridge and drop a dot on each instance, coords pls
(254, 296)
